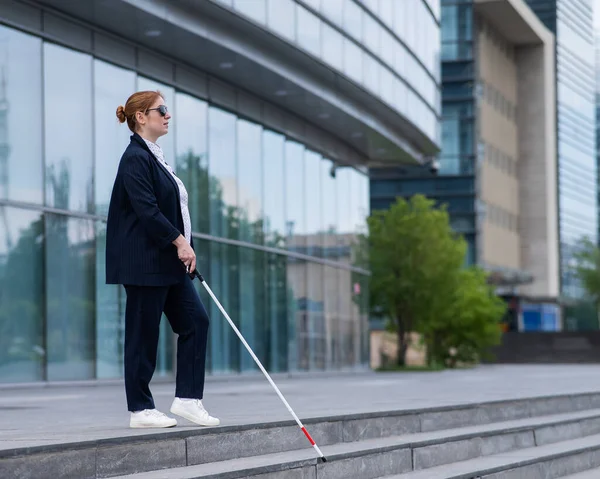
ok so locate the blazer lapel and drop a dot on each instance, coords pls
(141, 141)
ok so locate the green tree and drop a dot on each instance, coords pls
(414, 258)
(469, 325)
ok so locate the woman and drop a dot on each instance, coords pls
(149, 250)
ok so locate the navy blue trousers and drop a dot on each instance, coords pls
(188, 319)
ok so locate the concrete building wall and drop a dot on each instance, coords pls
(517, 126)
(498, 77)
(538, 170)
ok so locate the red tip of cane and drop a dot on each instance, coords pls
(308, 436)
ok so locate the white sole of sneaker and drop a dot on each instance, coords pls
(191, 418)
(151, 426)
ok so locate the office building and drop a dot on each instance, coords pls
(572, 23)
(497, 167)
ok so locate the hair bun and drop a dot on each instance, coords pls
(121, 114)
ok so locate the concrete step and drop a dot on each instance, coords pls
(424, 434)
(543, 462)
(382, 458)
(590, 474)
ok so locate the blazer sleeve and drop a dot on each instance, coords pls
(137, 181)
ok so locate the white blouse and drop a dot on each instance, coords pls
(183, 194)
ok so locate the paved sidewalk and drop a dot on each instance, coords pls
(57, 414)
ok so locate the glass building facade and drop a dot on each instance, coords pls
(572, 23)
(274, 230)
(453, 184)
(391, 48)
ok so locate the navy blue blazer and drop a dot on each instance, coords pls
(144, 218)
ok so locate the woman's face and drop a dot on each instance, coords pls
(155, 123)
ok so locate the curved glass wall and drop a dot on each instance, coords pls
(274, 232)
(390, 47)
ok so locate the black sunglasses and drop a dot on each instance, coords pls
(162, 109)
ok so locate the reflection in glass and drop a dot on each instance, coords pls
(281, 17)
(295, 200)
(329, 210)
(70, 265)
(312, 195)
(250, 181)
(110, 315)
(252, 306)
(192, 157)
(314, 325)
(21, 295)
(332, 309)
(223, 175)
(112, 87)
(68, 148)
(21, 167)
(308, 31)
(274, 192)
(276, 333)
(224, 279)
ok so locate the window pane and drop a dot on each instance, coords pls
(312, 194)
(308, 31)
(68, 88)
(255, 9)
(315, 312)
(192, 157)
(353, 61)
(333, 10)
(21, 165)
(372, 70)
(222, 169)
(400, 96)
(250, 181)
(70, 266)
(296, 283)
(276, 336)
(166, 142)
(372, 34)
(387, 86)
(295, 195)
(332, 310)
(224, 277)
(274, 192)
(333, 42)
(329, 210)
(112, 87)
(282, 17)
(110, 315)
(353, 20)
(252, 305)
(21, 295)
(388, 45)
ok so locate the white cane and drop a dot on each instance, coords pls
(312, 442)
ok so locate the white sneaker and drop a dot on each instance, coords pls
(151, 418)
(193, 410)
